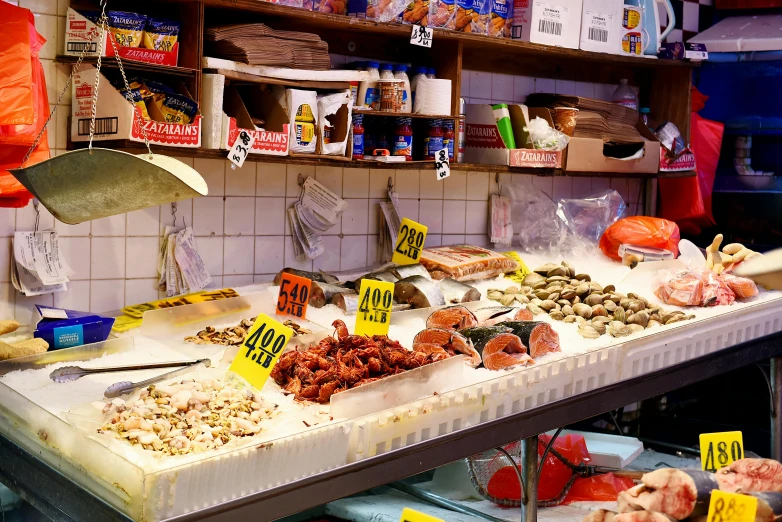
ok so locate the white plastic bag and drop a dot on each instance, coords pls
(588, 217)
(534, 216)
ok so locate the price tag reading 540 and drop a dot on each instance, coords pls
(374, 307)
(294, 295)
(409, 243)
(719, 450)
(261, 350)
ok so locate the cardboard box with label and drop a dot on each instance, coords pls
(549, 22)
(242, 105)
(594, 155)
(601, 23)
(684, 163)
(324, 114)
(78, 30)
(116, 118)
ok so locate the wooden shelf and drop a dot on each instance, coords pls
(241, 77)
(369, 112)
(131, 65)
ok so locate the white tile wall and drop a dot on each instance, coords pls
(241, 227)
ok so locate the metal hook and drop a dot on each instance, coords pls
(173, 213)
(300, 179)
(390, 184)
(36, 204)
(499, 185)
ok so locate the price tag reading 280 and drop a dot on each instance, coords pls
(719, 450)
(261, 350)
(294, 295)
(374, 307)
(409, 243)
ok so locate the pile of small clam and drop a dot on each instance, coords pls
(574, 298)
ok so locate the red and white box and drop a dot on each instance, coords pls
(78, 30)
(115, 118)
(241, 105)
(684, 163)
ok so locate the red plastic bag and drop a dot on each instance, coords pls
(641, 231)
(604, 488)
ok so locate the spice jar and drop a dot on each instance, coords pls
(389, 95)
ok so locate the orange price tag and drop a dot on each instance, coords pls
(294, 295)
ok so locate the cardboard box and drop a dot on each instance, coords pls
(601, 22)
(241, 104)
(587, 155)
(77, 36)
(484, 145)
(547, 23)
(63, 328)
(341, 123)
(684, 163)
(116, 120)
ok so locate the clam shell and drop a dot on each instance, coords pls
(583, 277)
(594, 299)
(557, 315)
(588, 331)
(583, 310)
(545, 269)
(548, 305)
(599, 310)
(533, 278)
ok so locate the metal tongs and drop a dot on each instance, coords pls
(71, 373)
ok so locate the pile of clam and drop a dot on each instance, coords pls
(574, 298)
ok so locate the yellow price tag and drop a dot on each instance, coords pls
(731, 507)
(261, 350)
(411, 515)
(374, 307)
(517, 275)
(197, 297)
(720, 449)
(409, 243)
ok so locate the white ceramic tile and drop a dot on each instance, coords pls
(239, 216)
(565, 87)
(107, 296)
(217, 282)
(355, 218)
(238, 255)
(80, 230)
(378, 182)
(263, 278)
(290, 257)
(453, 216)
(376, 215)
(480, 84)
(270, 179)
(599, 184)
(61, 124)
(604, 91)
(544, 85)
(523, 86)
(292, 178)
(208, 215)
(453, 239)
(7, 301)
(582, 187)
(330, 259)
(25, 219)
(478, 185)
(140, 291)
(481, 240)
(76, 251)
(431, 187)
(240, 182)
(355, 183)
(213, 172)
(331, 178)
(430, 213)
(184, 211)
(433, 240)
(585, 89)
(7, 222)
(76, 298)
(620, 185)
(5, 259)
(502, 87)
(211, 251)
(142, 255)
(48, 27)
(24, 306)
(237, 280)
(354, 252)
(144, 222)
(494, 186)
(563, 188)
(543, 183)
(634, 191)
(62, 7)
(109, 226)
(455, 185)
(477, 213)
(372, 250)
(408, 208)
(269, 254)
(107, 258)
(289, 202)
(408, 183)
(270, 216)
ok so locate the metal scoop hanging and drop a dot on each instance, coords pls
(82, 185)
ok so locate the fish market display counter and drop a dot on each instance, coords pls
(52, 457)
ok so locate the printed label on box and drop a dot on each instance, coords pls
(68, 336)
(483, 136)
(184, 135)
(551, 19)
(685, 162)
(266, 142)
(598, 26)
(535, 158)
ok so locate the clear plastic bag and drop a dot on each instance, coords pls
(543, 137)
(589, 217)
(534, 216)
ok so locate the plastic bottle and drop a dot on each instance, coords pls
(357, 66)
(358, 136)
(645, 111)
(624, 95)
(430, 73)
(403, 139)
(448, 137)
(369, 137)
(386, 71)
(400, 73)
(435, 142)
(418, 73)
(367, 90)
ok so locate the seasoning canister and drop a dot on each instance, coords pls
(305, 133)
(565, 119)
(304, 113)
(460, 142)
(390, 95)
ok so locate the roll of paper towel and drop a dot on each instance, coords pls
(433, 97)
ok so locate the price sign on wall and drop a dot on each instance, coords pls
(294, 295)
(241, 148)
(374, 307)
(719, 450)
(409, 243)
(731, 507)
(261, 350)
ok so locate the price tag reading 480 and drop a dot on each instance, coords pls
(374, 307)
(294, 295)
(731, 507)
(719, 450)
(409, 243)
(261, 350)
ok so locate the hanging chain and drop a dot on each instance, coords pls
(102, 26)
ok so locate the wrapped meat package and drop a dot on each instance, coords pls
(465, 262)
(693, 288)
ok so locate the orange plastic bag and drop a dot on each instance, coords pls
(604, 488)
(15, 66)
(641, 231)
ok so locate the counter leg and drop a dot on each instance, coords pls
(529, 471)
(776, 407)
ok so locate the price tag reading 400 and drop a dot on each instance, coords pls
(261, 350)
(411, 515)
(294, 295)
(374, 307)
(409, 243)
(720, 449)
(731, 507)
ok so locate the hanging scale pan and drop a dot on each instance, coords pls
(92, 183)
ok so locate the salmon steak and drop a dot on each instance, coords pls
(750, 476)
(538, 336)
(678, 493)
(437, 352)
(499, 348)
(453, 318)
(741, 286)
(449, 340)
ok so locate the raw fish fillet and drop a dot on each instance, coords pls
(751, 475)
(540, 337)
(453, 317)
(449, 340)
(643, 516)
(678, 493)
(741, 286)
(505, 351)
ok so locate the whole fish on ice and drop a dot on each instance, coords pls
(418, 292)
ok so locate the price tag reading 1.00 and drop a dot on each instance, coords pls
(409, 243)
(261, 350)
(411, 515)
(241, 148)
(294, 295)
(374, 307)
(731, 507)
(720, 449)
